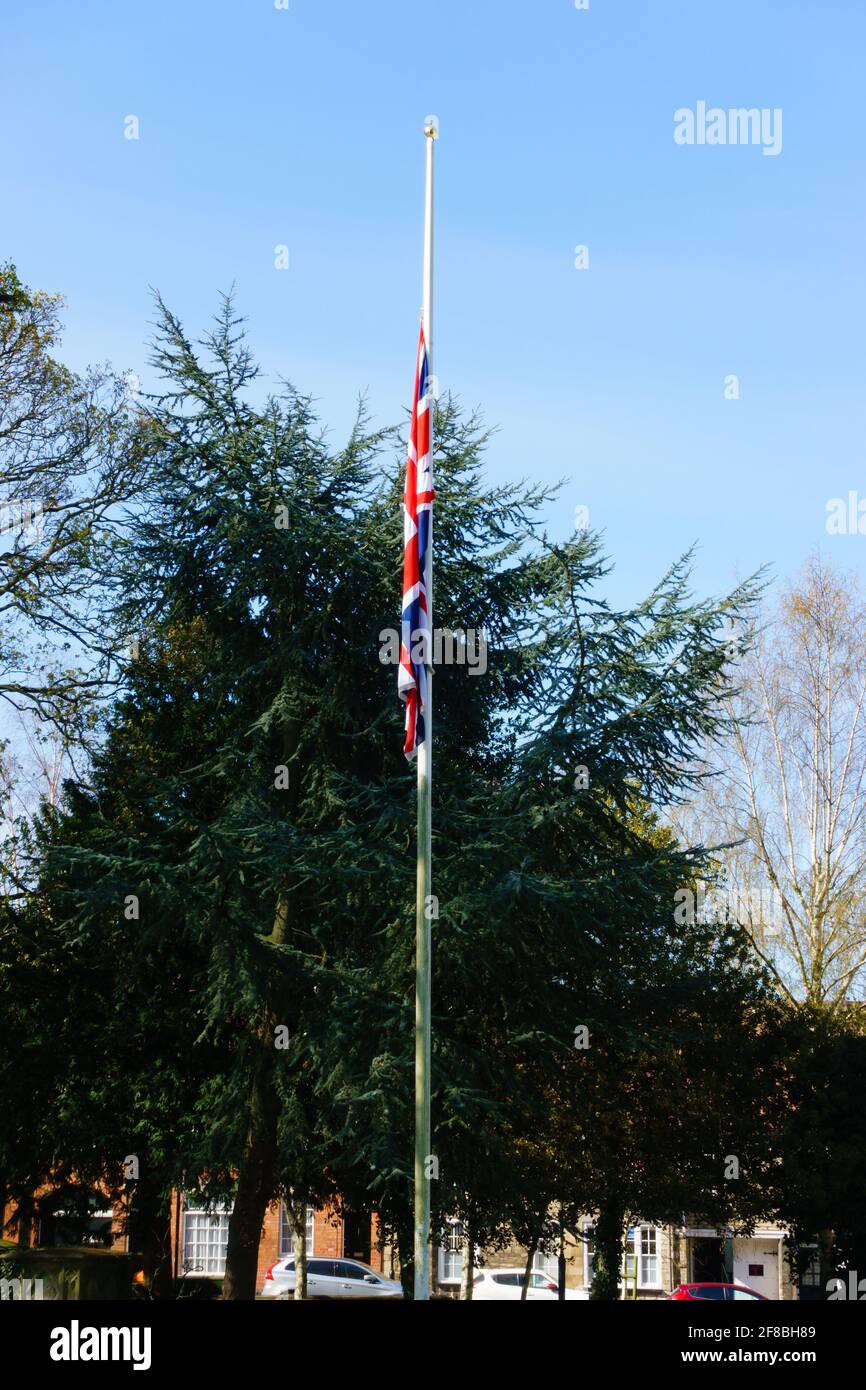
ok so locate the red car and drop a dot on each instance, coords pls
(718, 1293)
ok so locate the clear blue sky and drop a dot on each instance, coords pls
(261, 126)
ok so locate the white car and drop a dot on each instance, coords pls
(330, 1279)
(491, 1285)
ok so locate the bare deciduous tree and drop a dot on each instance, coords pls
(789, 800)
(71, 451)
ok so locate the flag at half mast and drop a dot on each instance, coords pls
(418, 497)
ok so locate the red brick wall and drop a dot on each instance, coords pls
(327, 1235)
(327, 1239)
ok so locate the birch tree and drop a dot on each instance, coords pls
(71, 452)
(790, 799)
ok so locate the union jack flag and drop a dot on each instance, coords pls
(413, 676)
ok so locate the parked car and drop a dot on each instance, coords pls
(491, 1285)
(330, 1279)
(718, 1292)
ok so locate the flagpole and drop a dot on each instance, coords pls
(424, 842)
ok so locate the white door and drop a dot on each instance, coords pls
(756, 1264)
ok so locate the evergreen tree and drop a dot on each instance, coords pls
(253, 798)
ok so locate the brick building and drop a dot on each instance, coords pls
(657, 1259)
(198, 1237)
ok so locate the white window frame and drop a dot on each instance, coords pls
(644, 1229)
(286, 1237)
(640, 1228)
(450, 1248)
(194, 1214)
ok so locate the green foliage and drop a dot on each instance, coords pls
(259, 570)
(821, 1136)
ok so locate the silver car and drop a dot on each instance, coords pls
(330, 1278)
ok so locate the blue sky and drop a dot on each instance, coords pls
(302, 127)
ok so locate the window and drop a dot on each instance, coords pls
(347, 1270)
(811, 1275)
(205, 1237)
(642, 1245)
(648, 1267)
(451, 1253)
(287, 1235)
(548, 1265)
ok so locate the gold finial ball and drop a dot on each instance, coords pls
(431, 127)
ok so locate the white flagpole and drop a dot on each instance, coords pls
(425, 782)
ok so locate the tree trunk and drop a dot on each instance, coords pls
(149, 1230)
(297, 1210)
(530, 1256)
(162, 1277)
(24, 1216)
(254, 1191)
(561, 1262)
(607, 1252)
(301, 1263)
(404, 1235)
(257, 1172)
(467, 1275)
(827, 1258)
